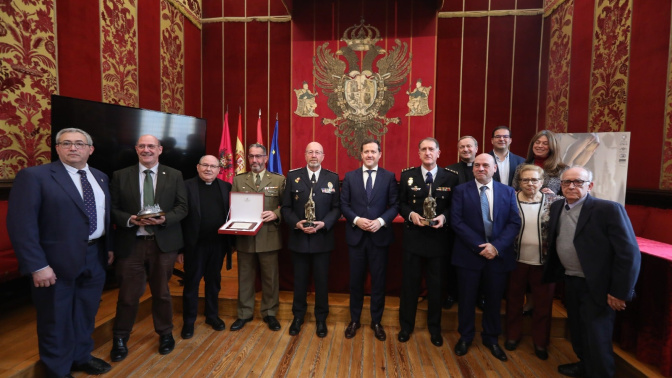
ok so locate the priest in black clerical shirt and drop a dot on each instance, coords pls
(204, 249)
(467, 147)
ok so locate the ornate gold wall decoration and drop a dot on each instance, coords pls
(172, 60)
(611, 59)
(417, 100)
(359, 96)
(27, 79)
(305, 101)
(119, 51)
(191, 9)
(559, 57)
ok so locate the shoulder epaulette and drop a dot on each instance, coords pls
(296, 169)
(325, 169)
(407, 169)
(242, 173)
(451, 170)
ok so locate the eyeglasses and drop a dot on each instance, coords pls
(78, 145)
(501, 137)
(530, 180)
(150, 146)
(318, 153)
(577, 183)
(255, 156)
(205, 166)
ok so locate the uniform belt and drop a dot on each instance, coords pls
(93, 241)
(146, 237)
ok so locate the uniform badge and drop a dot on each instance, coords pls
(410, 181)
(297, 180)
(331, 186)
(415, 188)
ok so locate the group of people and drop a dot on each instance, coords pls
(500, 224)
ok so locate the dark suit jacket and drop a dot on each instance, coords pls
(606, 246)
(327, 209)
(467, 223)
(170, 194)
(461, 169)
(47, 222)
(425, 241)
(514, 162)
(191, 224)
(383, 204)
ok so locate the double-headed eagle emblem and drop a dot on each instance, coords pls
(360, 96)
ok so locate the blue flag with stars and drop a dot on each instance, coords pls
(274, 164)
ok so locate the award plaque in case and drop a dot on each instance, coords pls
(244, 216)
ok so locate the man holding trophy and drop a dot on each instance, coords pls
(311, 192)
(424, 203)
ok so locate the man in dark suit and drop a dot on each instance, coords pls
(141, 242)
(507, 162)
(425, 244)
(467, 147)
(593, 247)
(369, 204)
(260, 250)
(204, 248)
(483, 248)
(59, 224)
(311, 245)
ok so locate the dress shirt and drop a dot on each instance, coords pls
(365, 176)
(98, 194)
(488, 193)
(316, 173)
(141, 178)
(503, 168)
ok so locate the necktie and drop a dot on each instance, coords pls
(567, 207)
(89, 202)
(148, 189)
(312, 179)
(369, 183)
(257, 181)
(429, 179)
(485, 211)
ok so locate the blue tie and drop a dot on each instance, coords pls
(89, 202)
(485, 211)
(369, 184)
(429, 179)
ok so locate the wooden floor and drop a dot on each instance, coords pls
(257, 351)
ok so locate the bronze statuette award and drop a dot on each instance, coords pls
(429, 209)
(310, 211)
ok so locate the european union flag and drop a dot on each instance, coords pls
(274, 164)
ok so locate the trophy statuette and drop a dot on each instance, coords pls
(150, 211)
(310, 211)
(429, 209)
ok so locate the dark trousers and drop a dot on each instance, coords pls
(410, 290)
(66, 315)
(376, 257)
(494, 283)
(132, 279)
(542, 294)
(591, 326)
(303, 262)
(205, 262)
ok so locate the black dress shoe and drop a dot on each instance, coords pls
(497, 351)
(462, 347)
(119, 349)
(321, 329)
(436, 339)
(403, 336)
(541, 353)
(216, 323)
(239, 324)
(187, 331)
(295, 327)
(351, 330)
(448, 303)
(166, 343)
(511, 344)
(378, 331)
(95, 366)
(572, 370)
(273, 323)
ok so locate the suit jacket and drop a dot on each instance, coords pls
(47, 222)
(461, 169)
(170, 194)
(383, 204)
(191, 224)
(326, 195)
(467, 222)
(606, 246)
(269, 236)
(426, 241)
(514, 162)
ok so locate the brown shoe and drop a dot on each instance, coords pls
(378, 331)
(351, 330)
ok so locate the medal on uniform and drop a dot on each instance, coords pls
(410, 181)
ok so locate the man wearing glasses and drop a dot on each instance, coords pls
(151, 242)
(507, 162)
(592, 246)
(59, 224)
(311, 244)
(204, 248)
(261, 249)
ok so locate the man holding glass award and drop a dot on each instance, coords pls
(311, 192)
(424, 203)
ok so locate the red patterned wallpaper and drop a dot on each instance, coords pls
(557, 95)
(172, 60)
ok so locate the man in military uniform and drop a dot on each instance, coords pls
(311, 245)
(424, 245)
(262, 248)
